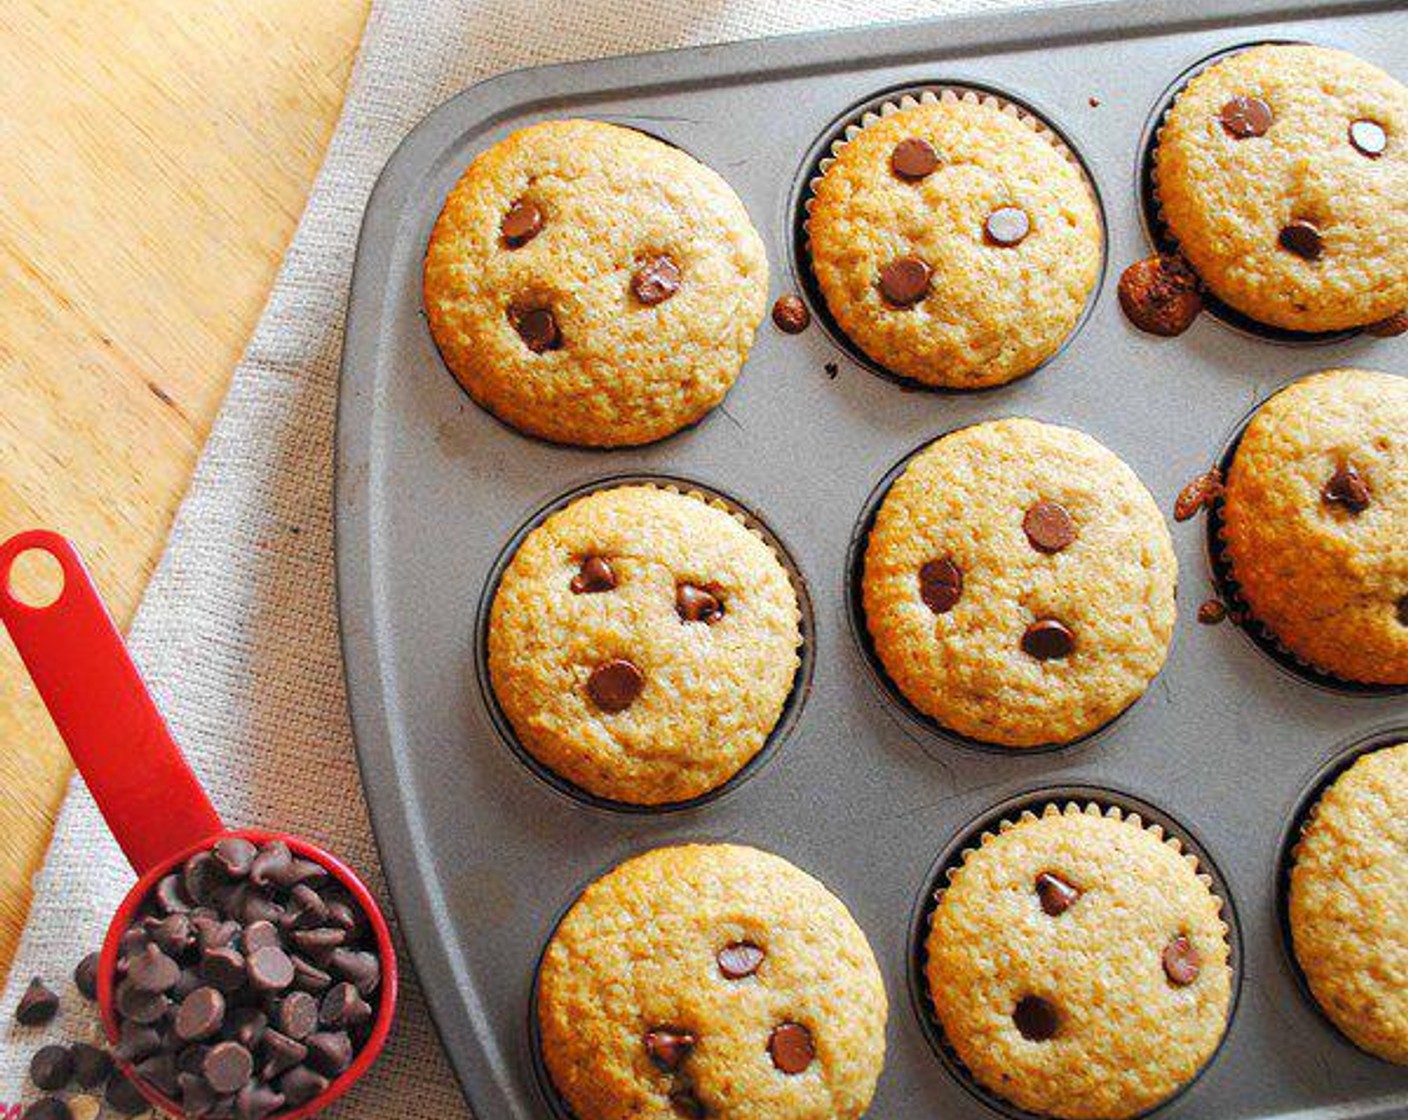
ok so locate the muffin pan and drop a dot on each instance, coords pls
(482, 856)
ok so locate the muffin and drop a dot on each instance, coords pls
(711, 980)
(1282, 173)
(1348, 907)
(954, 243)
(643, 643)
(1315, 523)
(1078, 964)
(1019, 584)
(591, 285)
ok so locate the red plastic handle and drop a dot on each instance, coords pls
(147, 793)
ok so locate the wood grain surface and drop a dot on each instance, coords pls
(154, 158)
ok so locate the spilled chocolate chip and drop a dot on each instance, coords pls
(1036, 1019)
(37, 1006)
(1391, 327)
(656, 281)
(1302, 238)
(1347, 489)
(1048, 527)
(1048, 639)
(85, 976)
(940, 585)
(537, 326)
(1244, 117)
(522, 223)
(1211, 612)
(1055, 894)
(1369, 138)
(668, 1047)
(1181, 962)
(48, 1108)
(791, 1048)
(1199, 494)
(51, 1068)
(790, 314)
(615, 684)
(905, 281)
(739, 959)
(1160, 295)
(913, 159)
(91, 1065)
(1007, 226)
(694, 604)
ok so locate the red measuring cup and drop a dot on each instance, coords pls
(147, 793)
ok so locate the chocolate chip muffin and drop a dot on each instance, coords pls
(1348, 906)
(1282, 173)
(953, 242)
(711, 980)
(1315, 520)
(591, 285)
(1078, 964)
(643, 643)
(1019, 583)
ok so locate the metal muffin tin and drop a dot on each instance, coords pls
(483, 856)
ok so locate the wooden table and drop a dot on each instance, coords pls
(154, 158)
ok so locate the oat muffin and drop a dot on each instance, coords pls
(643, 643)
(711, 980)
(1349, 905)
(1315, 522)
(1019, 583)
(953, 243)
(591, 285)
(1282, 173)
(1078, 964)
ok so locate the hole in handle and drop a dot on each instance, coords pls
(35, 578)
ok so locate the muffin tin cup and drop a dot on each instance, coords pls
(829, 145)
(1240, 612)
(1161, 238)
(1031, 806)
(791, 709)
(1301, 815)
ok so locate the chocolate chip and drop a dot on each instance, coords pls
(261, 935)
(329, 1052)
(669, 1047)
(1347, 489)
(270, 969)
(1395, 325)
(200, 1015)
(738, 959)
(247, 1026)
(135, 1042)
(51, 1068)
(694, 604)
(656, 281)
(1403, 610)
(615, 684)
(1047, 639)
(790, 314)
(48, 1108)
(343, 1006)
(257, 907)
(37, 1006)
(1160, 295)
(593, 577)
(1211, 612)
(309, 978)
(201, 875)
(913, 159)
(940, 585)
(212, 933)
(227, 1066)
(318, 944)
(271, 864)
(298, 1014)
(140, 1005)
(905, 281)
(151, 970)
(91, 1065)
(1369, 138)
(306, 909)
(134, 940)
(1036, 1019)
(159, 1071)
(1244, 117)
(1007, 226)
(1048, 527)
(300, 1085)
(537, 326)
(343, 916)
(1181, 962)
(85, 976)
(1301, 238)
(791, 1048)
(197, 1097)
(172, 934)
(522, 223)
(235, 855)
(170, 895)
(281, 1053)
(1199, 494)
(1056, 895)
(124, 1096)
(256, 1101)
(224, 967)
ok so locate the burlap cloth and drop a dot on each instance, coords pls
(237, 634)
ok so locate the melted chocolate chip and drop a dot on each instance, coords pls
(791, 1048)
(521, 224)
(1369, 138)
(1302, 238)
(594, 577)
(1345, 488)
(1160, 295)
(1181, 962)
(1036, 1019)
(740, 959)
(1199, 494)
(694, 604)
(1403, 610)
(1211, 612)
(1395, 325)
(615, 684)
(537, 326)
(1244, 117)
(85, 976)
(1007, 226)
(668, 1047)
(940, 585)
(1048, 527)
(913, 159)
(790, 314)
(1048, 639)
(656, 281)
(905, 281)
(1056, 895)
